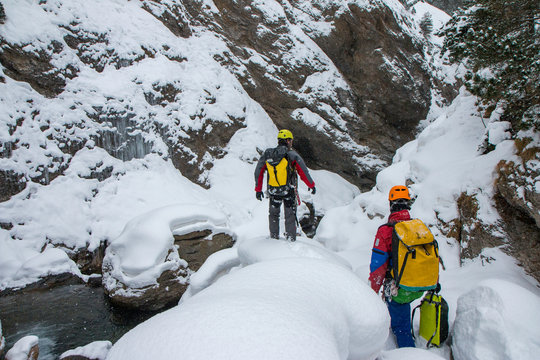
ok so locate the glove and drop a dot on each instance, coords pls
(438, 288)
(259, 195)
(313, 190)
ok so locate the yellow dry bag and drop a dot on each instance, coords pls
(433, 319)
(415, 257)
(278, 173)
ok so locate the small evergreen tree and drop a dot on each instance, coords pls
(426, 24)
(2, 14)
(499, 43)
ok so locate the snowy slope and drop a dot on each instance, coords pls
(74, 210)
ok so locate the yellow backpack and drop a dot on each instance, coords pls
(279, 169)
(278, 173)
(415, 256)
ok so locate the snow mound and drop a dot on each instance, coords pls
(289, 308)
(22, 264)
(145, 249)
(96, 350)
(23, 348)
(264, 249)
(497, 320)
(408, 354)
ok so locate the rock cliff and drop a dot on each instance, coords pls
(351, 81)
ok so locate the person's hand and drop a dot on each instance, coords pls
(313, 190)
(259, 195)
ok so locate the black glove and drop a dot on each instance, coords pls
(438, 288)
(313, 190)
(259, 195)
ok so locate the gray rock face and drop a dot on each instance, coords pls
(473, 235)
(518, 203)
(448, 6)
(383, 66)
(36, 69)
(197, 246)
(378, 90)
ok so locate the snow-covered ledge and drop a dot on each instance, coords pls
(142, 268)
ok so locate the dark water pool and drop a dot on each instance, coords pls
(64, 318)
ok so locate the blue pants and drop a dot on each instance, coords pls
(400, 321)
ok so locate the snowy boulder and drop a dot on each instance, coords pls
(24, 266)
(256, 250)
(142, 268)
(497, 320)
(409, 354)
(26, 348)
(96, 350)
(288, 308)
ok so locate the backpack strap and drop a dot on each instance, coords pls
(388, 270)
(390, 223)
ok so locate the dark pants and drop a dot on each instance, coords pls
(400, 321)
(289, 204)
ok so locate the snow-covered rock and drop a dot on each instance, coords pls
(288, 308)
(142, 267)
(96, 350)
(497, 320)
(26, 348)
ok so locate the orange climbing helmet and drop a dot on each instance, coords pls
(399, 192)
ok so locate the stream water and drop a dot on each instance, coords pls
(64, 318)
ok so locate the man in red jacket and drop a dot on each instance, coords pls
(287, 192)
(398, 299)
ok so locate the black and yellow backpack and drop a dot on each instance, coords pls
(415, 256)
(279, 170)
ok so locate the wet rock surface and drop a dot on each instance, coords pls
(196, 247)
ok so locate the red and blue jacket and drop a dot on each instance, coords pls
(382, 250)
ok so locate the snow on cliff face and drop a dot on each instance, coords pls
(177, 79)
(102, 96)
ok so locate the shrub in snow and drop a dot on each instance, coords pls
(426, 24)
(497, 320)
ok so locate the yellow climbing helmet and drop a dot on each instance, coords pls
(284, 134)
(399, 192)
